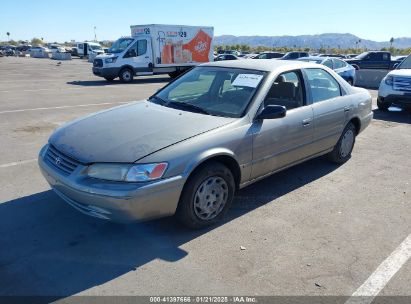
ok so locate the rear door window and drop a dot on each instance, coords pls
(328, 63)
(322, 85)
(338, 64)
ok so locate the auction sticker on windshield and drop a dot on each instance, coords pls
(247, 80)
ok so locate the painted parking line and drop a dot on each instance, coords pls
(65, 107)
(23, 162)
(382, 275)
(79, 88)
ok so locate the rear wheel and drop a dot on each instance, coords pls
(126, 75)
(383, 106)
(342, 150)
(207, 196)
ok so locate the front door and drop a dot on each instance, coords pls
(278, 143)
(139, 57)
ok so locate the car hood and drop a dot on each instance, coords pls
(128, 133)
(401, 72)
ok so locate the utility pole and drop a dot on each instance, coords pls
(95, 35)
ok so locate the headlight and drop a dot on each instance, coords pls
(389, 80)
(110, 60)
(127, 172)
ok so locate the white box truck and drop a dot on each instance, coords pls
(156, 49)
(88, 48)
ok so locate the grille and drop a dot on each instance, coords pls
(98, 63)
(60, 161)
(402, 83)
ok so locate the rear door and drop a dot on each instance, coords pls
(331, 107)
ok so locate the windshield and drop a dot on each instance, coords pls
(405, 64)
(120, 45)
(212, 90)
(313, 60)
(95, 47)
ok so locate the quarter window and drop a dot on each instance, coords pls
(322, 85)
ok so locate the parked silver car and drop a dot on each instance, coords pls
(220, 127)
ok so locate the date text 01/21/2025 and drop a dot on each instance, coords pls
(203, 299)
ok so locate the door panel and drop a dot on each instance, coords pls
(280, 142)
(329, 121)
(330, 108)
(139, 57)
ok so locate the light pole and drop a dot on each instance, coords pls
(95, 35)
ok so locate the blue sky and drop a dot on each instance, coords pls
(66, 20)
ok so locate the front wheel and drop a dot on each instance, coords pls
(207, 196)
(383, 106)
(126, 75)
(342, 150)
(174, 75)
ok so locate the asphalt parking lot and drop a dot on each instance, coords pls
(315, 229)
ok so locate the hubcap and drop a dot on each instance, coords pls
(347, 143)
(210, 198)
(126, 75)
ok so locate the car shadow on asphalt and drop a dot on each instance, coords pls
(103, 83)
(49, 249)
(393, 115)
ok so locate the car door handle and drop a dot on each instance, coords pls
(147, 57)
(347, 109)
(307, 122)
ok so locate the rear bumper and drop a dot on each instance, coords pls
(119, 202)
(106, 72)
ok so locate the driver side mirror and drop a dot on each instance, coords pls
(272, 112)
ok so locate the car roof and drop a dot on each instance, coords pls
(267, 65)
(313, 58)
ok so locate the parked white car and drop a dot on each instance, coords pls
(395, 88)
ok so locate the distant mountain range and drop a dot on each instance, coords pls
(328, 40)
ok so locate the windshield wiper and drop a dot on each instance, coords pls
(188, 106)
(161, 100)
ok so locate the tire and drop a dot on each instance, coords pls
(383, 106)
(211, 186)
(109, 79)
(174, 75)
(126, 75)
(342, 150)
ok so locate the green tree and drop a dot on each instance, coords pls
(36, 41)
(392, 41)
(8, 35)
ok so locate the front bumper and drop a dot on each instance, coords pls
(116, 201)
(400, 100)
(106, 72)
(386, 94)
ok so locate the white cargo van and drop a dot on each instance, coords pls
(156, 49)
(84, 49)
